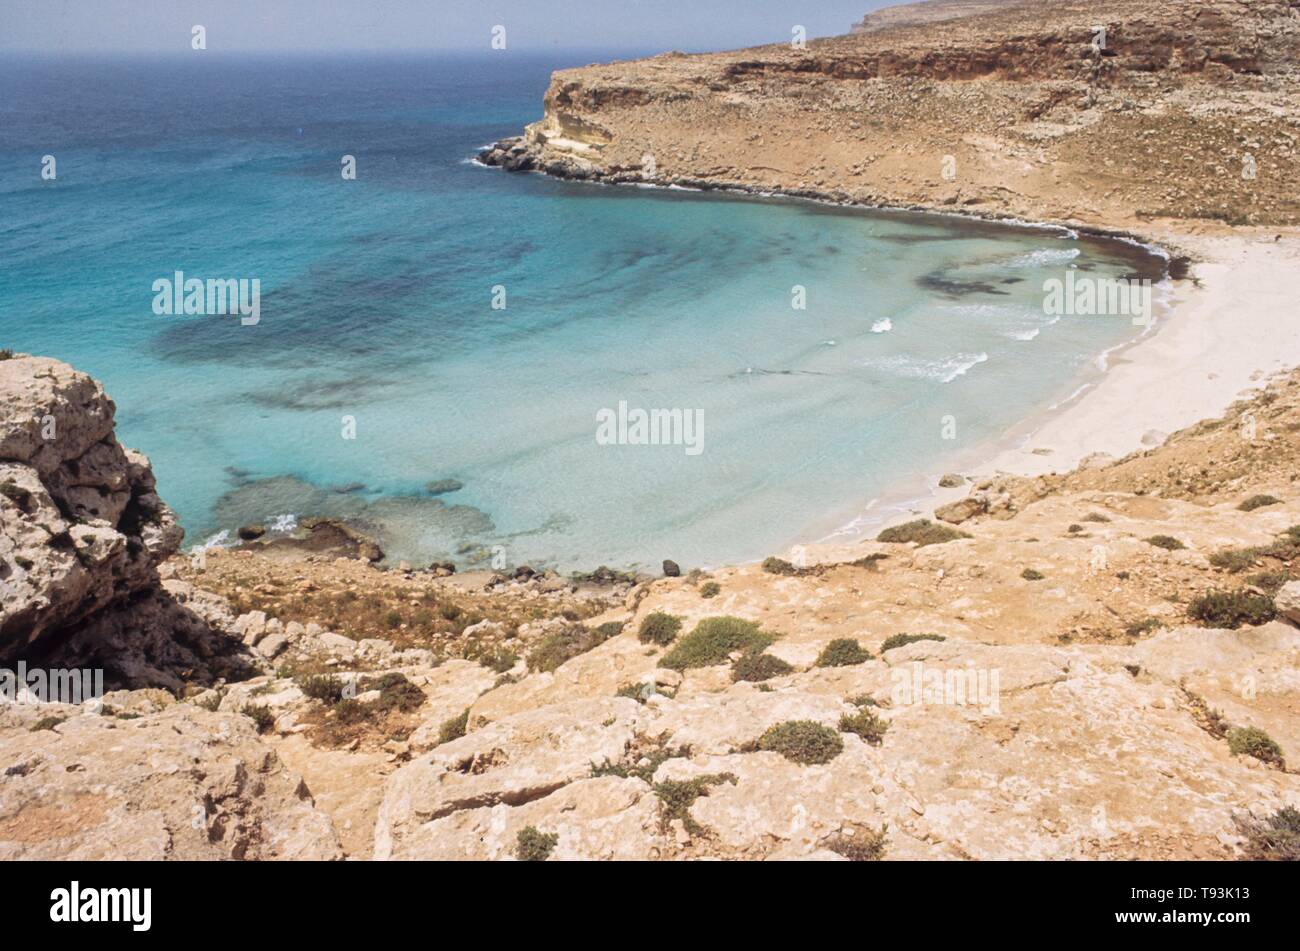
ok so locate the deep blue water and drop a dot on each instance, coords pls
(376, 307)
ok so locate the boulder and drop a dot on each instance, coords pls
(1288, 601)
(81, 527)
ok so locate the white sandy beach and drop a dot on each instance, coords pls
(1222, 335)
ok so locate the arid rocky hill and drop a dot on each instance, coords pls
(1182, 110)
(928, 11)
(1094, 665)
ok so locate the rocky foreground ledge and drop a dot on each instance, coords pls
(1101, 664)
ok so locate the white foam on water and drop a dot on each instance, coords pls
(1044, 257)
(284, 523)
(219, 540)
(1024, 334)
(882, 326)
(944, 371)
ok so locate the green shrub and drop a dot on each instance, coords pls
(1232, 609)
(922, 531)
(1258, 502)
(677, 796)
(1275, 839)
(802, 741)
(902, 640)
(1143, 626)
(1270, 581)
(556, 648)
(609, 629)
(641, 765)
(659, 628)
(1167, 542)
(864, 845)
(534, 846)
(6, 354)
(498, 659)
(454, 728)
(348, 711)
(46, 723)
(756, 667)
(1095, 517)
(323, 687)
(779, 566)
(1032, 574)
(710, 589)
(261, 716)
(1236, 560)
(713, 640)
(865, 724)
(1252, 741)
(842, 652)
(395, 693)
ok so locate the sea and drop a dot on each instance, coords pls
(495, 368)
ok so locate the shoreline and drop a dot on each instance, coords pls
(1188, 367)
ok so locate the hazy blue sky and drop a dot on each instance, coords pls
(242, 25)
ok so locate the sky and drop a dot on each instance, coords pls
(326, 25)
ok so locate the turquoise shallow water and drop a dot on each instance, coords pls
(376, 307)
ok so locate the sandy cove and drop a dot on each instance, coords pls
(1142, 616)
(997, 113)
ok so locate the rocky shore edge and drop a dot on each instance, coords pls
(514, 154)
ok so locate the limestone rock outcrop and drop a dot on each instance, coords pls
(81, 527)
(177, 783)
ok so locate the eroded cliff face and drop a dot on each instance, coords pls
(1181, 109)
(81, 527)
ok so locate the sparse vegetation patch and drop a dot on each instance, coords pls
(534, 846)
(1232, 609)
(713, 641)
(802, 741)
(902, 640)
(922, 531)
(843, 652)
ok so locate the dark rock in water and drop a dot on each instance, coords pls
(249, 532)
(524, 572)
(443, 568)
(326, 536)
(443, 486)
(672, 569)
(604, 576)
(348, 488)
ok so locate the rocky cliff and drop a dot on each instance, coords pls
(81, 528)
(1180, 109)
